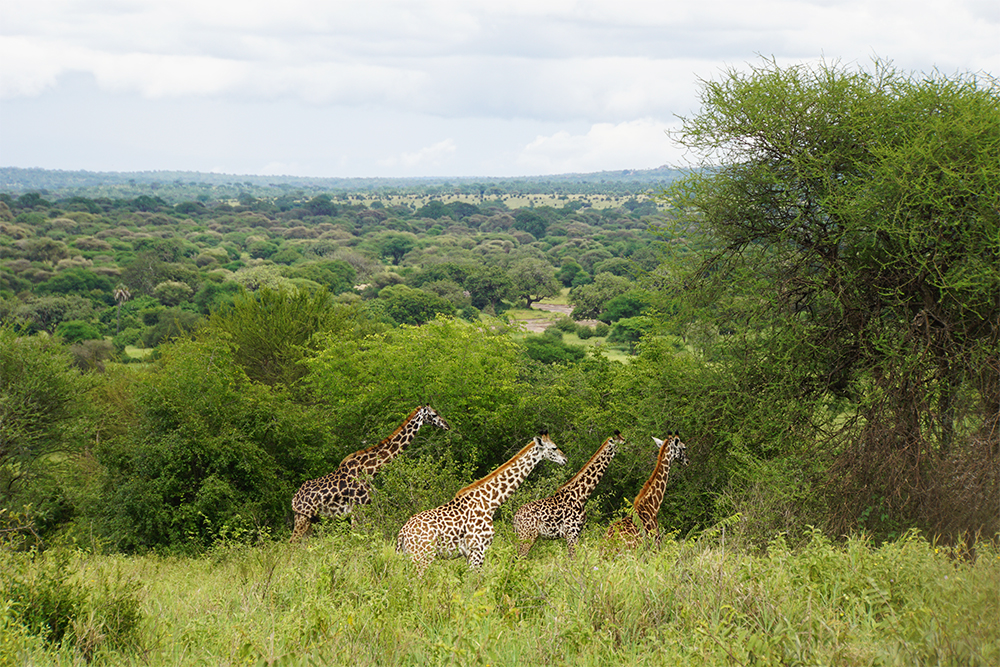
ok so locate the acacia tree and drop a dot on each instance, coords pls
(533, 279)
(855, 221)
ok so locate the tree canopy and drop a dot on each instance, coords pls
(854, 224)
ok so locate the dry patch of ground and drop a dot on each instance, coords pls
(538, 325)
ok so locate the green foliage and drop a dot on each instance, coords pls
(533, 280)
(73, 331)
(51, 596)
(209, 453)
(535, 222)
(168, 324)
(630, 304)
(565, 324)
(406, 305)
(488, 286)
(569, 271)
(853, 236)
(350, 599)
(411, 484)
(336, 275)
(77, 280)
(394, 245)
(41, 409)
(271, 331)
(630, 330)
(590, 300)
(467, 370)
(213, 296)
(550, 349)
(172, 292)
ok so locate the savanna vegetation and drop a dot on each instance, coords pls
(816, 310)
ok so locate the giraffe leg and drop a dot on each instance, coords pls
(524, 545)
(421, 554)
(525, 530)
(302, 526)
(478, 544)
(571, 544)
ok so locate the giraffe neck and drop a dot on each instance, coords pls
(584, 482)
(371, 459)
(647, 503)
(491, 491)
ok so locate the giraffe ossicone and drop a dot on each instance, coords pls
(336, 493)
(647, 504)
(561, 515)
(464, 525)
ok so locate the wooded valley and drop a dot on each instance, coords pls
(816, 315)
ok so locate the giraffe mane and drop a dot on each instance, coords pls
(644, 491)
(490, 477)
(582, 470)
(399, 428)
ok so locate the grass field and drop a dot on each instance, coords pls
(343, 598)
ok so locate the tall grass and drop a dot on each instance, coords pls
(348, 598)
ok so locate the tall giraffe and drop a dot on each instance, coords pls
(464, 525)
(338, 492)
(561, 515)
(647, 503)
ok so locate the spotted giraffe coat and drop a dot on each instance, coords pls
(338, 492)
(647, 503)
(561, 515)
(464, 525)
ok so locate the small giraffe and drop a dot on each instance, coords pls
(561, 515)
(337, 493)
(464, 525)
(647, 503)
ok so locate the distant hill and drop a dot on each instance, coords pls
(173, 185)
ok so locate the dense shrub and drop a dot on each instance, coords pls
(549, 349)
(48, 597)
(73, 331)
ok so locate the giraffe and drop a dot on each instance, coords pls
(647, 503)
(464, 525)
(561, 514)
(336, 493)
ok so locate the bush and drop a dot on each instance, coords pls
(549, 349)
(410, 485)
(630, 330)
(91, 354)
(48, 599)
(74, 331)
(566, 324)
(208, 453)
(129, 336)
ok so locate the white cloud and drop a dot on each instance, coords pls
(580, 75)
(434, 155)
(638, 144)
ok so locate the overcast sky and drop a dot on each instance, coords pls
(419, 87)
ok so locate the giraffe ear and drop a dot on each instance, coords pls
(659, 443)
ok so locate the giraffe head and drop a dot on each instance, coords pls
(677, 450)
(428, 415)
(616, 440)
(548, 450)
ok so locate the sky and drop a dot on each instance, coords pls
(411, 88)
